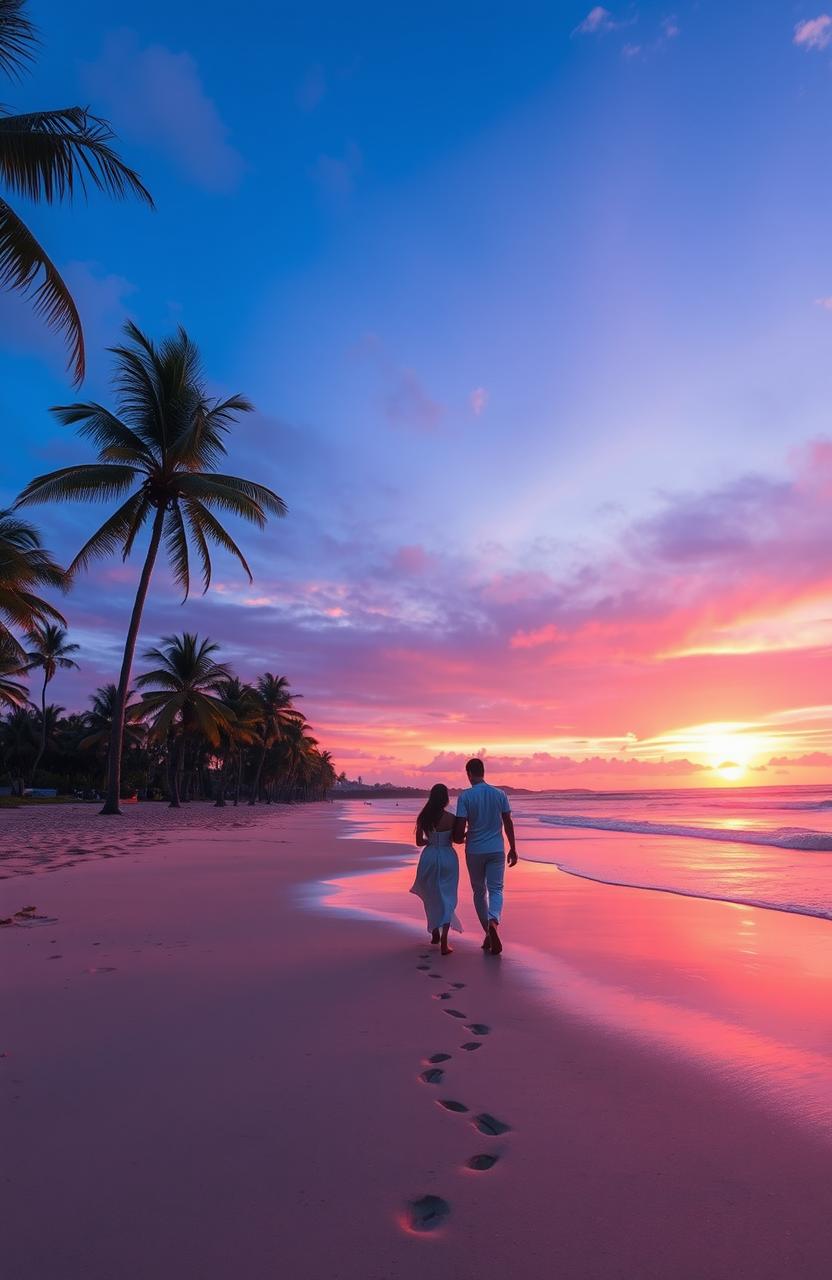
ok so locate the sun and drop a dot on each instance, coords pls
(729, 755)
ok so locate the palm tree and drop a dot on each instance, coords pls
(241, 701)
(24, 568)
(162, 450)
(276, 711)
(19, 743)
(50, 651)
(12, 692)
(185, 701)
(47, 156)
(45, 720)
(98, 723)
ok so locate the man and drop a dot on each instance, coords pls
(482, 812)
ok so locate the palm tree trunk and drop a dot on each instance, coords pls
(111, 804)
(255, 786)
(239, 786)
(42, 748)
(173, 774)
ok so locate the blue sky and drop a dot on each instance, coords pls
(507, 283)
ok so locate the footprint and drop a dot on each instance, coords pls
(458, 1107)
(481, 1163)
(434, 975)
(443, 995)
(423, 966)
(478, 1028)
(471, 1045)
(454, 1013)
(439, 1057)
(424, 955)
(432, 1076)
(427, 1213)
(458, 985)
(490, 1125)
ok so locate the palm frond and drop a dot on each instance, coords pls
(176, 545)
(207, 526)
(47, 155)
(197, 533)
(97, 482)
(118, 530)
(26, 267)
(17, 36)
(114, 439)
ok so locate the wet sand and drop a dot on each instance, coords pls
(211, 1072)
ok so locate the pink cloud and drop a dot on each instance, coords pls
(478, 400)
(157, 97)
(597, 20)
(814, 33)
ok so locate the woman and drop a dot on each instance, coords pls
(437, 875)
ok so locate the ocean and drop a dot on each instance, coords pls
(765, 846)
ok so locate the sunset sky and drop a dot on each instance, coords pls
(535, 304)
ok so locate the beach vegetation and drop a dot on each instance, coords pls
(158, 455)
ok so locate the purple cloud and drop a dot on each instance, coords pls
(157, 97)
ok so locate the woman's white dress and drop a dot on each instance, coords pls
(437, 881)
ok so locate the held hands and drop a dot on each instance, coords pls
(512, 857)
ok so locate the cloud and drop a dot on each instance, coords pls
(336, 175)
(478, 400)
(810, 760)
(312, 89)
(597, 20)
(408, 404)
(826, 303)
(157, 97)
(631, 50)
(670, 27)
(814, 33)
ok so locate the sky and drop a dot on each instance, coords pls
(534, 301)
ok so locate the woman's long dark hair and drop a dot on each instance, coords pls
(433, 810)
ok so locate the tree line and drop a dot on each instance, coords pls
(193, 730)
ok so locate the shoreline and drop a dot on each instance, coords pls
(243, 1077)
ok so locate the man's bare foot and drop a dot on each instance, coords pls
(494, 939)
(434, 937)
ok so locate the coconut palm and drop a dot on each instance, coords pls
(47, 156)
(98, 723)
(12, 692)
(24, 568)
(241, 701)
(51, 652)
(18, 741)
(275, 713)
(161, 451)
(182, 697)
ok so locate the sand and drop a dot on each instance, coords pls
(209, 1074)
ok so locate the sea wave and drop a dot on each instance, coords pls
(766, 904)
(780, 837)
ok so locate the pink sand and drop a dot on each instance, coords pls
(226, 1085)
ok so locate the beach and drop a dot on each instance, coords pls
(214, 1042)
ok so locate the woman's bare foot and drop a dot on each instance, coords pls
(494, 938)
(486, 946)
(445, 949)
(434, 937)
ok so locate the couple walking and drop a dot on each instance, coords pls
(482, 813)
